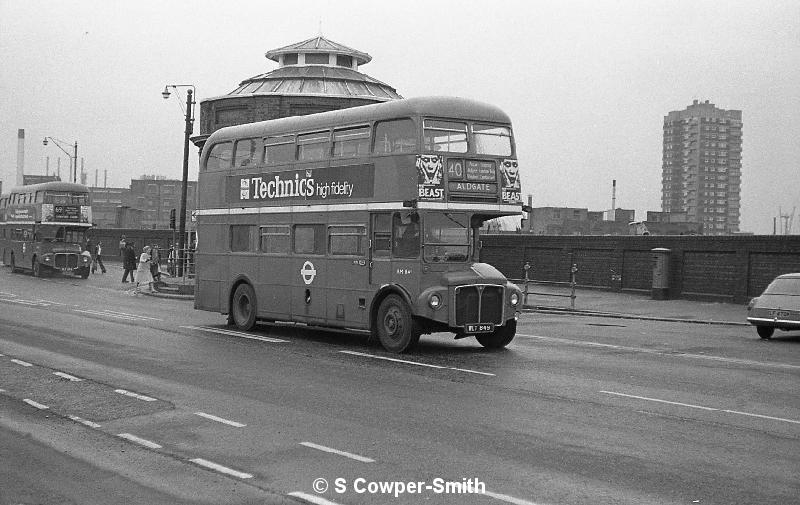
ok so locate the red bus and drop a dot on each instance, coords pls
(43, 227)
(364, 218)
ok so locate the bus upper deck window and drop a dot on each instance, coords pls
(279, 149)
(247, 152)
(351, 142)
(312, 146)
(446, 136)
(220, 156)
(396, 136)
(492, 140)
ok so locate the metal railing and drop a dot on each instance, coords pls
(526, 281)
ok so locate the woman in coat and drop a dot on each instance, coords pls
(143, 271)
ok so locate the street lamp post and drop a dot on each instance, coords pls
(70, 156)
(187, 133)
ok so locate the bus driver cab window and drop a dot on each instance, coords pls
(406, 235)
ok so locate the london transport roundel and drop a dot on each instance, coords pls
(308, 272)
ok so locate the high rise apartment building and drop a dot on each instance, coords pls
(702, 166)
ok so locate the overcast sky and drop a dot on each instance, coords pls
(587, 84)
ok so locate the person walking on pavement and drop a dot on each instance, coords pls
(143, 272)
(155, 263)
(128, 261)
(98, 258)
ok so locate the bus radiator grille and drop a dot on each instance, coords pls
(66, 261)
(479, 304)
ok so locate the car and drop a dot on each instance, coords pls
(777, 307)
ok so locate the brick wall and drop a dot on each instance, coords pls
(732, 268)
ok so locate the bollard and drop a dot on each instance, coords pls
(527, 280)
(572, 285)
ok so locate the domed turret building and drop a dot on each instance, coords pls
(315, 75)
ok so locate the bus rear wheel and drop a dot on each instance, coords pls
(396, 328)
(501, 337)
(243, 307)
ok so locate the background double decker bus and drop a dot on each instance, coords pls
(365, 218)
(43, 228)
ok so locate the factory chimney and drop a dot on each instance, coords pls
(20, 156)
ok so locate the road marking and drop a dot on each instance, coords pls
(135, 395)
(337, 451)
(68, 376)
(223, 469)
(140, 441)
(3, 293)
(118, 315)
(396, 360)
(20, 362)
(701, 407)
(84, 421)
(316, 500)
(35, 404)
(509, 499)
(220, 420)
(661, 352)
(235, 334)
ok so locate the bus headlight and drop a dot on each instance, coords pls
(435, 301)
(47, 258)
(514, 299)
(85, 259)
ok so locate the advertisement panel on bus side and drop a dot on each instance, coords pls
(318, 184)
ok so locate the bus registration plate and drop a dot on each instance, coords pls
(479, 328)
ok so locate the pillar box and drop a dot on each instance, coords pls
(660, 257)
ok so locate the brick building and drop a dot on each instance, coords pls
(157, 196)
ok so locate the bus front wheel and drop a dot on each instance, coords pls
(13, 264)
(37, 268)
(243, 307)
(396, 328)
(501, 337)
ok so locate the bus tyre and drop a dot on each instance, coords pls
(397, 331)
(765, 332)
(85, 273)
(13, 264)
(243, 307)
(37, 268)
(501, 337)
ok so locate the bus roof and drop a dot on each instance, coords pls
(51, 186)
(437, 106)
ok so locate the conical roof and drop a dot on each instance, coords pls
(317, 66)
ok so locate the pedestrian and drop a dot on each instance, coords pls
(171, 260)
(98, 258)
(155, 263)
(128, 262)
(143, 271)
(122, 242)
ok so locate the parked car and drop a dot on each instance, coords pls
(777, 307)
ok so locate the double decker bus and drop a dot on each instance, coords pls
(43, 227)
(364, 218)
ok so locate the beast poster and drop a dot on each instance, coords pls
(317, 184)
(430, 178)
(511, 183)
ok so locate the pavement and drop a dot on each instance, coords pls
(541, 298)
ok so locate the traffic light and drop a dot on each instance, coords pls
(172, 219)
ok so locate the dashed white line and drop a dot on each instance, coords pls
(310, 498)
(350, 455)
(235, 334)
(135, 395)
(118, 315)
(35, 404)
(661, 352)
(140, 441)
(509, 499)
(84, 421)
(701, 407)
(220, 420)
(219, 468)
(20, 362)
(68, 376)
(396, 360)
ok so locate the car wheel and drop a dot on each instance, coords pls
(243, 307)
(397, 331)
(501, 337)
(765, 332)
